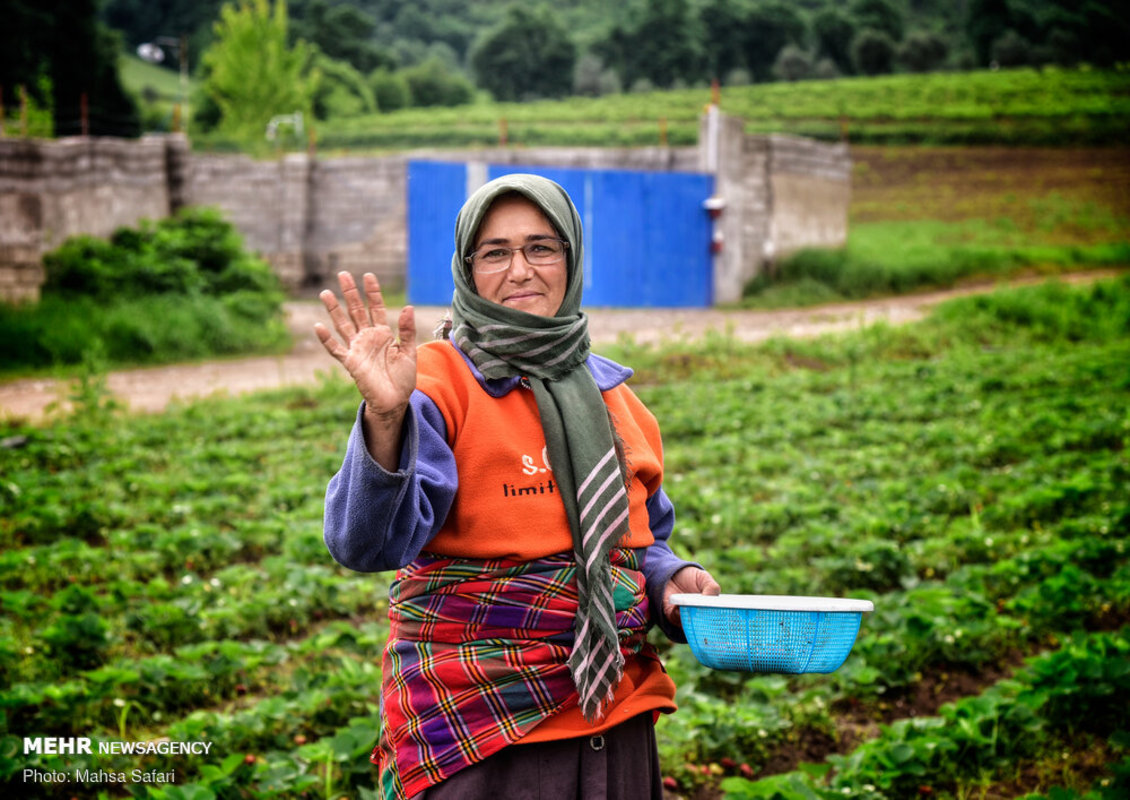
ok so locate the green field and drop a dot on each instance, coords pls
(1023, 106)
(164, 576)
(157, 89)
(935, 217)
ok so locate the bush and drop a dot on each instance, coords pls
(432, 84)
(1053, 312)
(872, 52)
(922, 52)
(591, 78)
(142, 330)
(390, 90)
(792, 64)
(1012, 50)
(180, 288)
(196, 251)
(342, 91)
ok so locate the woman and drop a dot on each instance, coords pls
(514, 481)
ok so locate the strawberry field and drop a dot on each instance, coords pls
(1013, 107)
(163, 578)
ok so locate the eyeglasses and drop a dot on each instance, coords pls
(496, 258)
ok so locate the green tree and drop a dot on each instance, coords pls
(985, 21)
(769, 27)
(60, 53)
(722, 22)
(792, 64)
(592, 79)
(833, 31)
(342, 91)
(144, 20)
(390, 90)
(1010, 49)
(879, 15)
(433, 84)
(85, 64)
(921, 52)
(1091, 32)
(660, 47)
(342, 32)
(251, 72)
(872, 52)
(423, 24)
(528, 55)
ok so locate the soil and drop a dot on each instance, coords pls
(151, 389)
(1022, 185)
(857, 723)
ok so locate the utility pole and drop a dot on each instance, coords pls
(154, 54)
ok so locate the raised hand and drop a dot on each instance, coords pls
(381, 362)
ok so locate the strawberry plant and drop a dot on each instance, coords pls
(164, 575)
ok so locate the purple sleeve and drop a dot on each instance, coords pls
(379, 520)
(660, 563)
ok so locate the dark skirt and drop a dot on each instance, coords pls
(623, 764)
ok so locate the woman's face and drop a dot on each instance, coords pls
(515, 222)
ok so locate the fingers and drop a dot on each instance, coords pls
(376, 299)
(406, 329)
(707, 584)
(332, 345)
(695, 580)
(342, 325)
(355, 304)
(356, 315)
(691, 580)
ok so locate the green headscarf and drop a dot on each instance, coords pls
(550, 353)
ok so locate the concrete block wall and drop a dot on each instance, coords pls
(356, 213)
(781, 193)
(311, 217)
(266, 201)
(357, 221)
(811, 191)
(21, 267)
(52, 190)
(740, 165)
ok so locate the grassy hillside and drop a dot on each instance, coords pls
(1024, 106)
(157, 90)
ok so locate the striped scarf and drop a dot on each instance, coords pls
(550, 352)
(476, 658)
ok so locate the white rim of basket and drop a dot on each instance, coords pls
(773, 602)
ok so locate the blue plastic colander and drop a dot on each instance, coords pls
(770, 633)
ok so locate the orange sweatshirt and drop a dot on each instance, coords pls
(474, 481)
(507, 504)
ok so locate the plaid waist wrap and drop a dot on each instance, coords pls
(476, 658)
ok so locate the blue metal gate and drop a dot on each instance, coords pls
(647, 236)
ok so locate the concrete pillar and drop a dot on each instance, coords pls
(177, 163)
(287, 255)
(740, 167)
(21, 226)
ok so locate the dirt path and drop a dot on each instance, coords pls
(152, 388)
